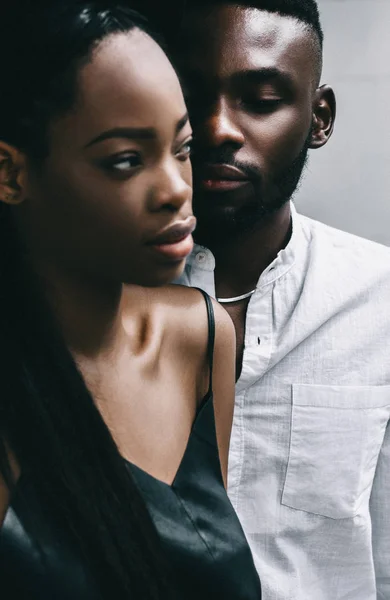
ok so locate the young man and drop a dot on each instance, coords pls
(310, 451)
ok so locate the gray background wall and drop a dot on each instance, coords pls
(347, 183)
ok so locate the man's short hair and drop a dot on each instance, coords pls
(302, 10)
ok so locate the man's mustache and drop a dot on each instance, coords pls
(224, 156)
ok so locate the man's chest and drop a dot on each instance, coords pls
(312, 407)
(237, 313)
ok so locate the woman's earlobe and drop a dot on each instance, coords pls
(10, 198)
(13, 175)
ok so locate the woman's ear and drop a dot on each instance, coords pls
(13, 175)
(324, 115)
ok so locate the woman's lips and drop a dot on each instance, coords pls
(175, 242)
(176, 251)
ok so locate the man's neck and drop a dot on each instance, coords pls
(241, 261)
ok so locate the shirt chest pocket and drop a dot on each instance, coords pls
(336, 436)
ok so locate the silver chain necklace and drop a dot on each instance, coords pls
(236, 298)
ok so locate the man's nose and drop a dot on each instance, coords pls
(219, 126)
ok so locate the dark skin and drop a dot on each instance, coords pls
(251, 79)
(117, 175)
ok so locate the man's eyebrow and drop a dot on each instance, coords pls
(262, 75)
(254, 76)
(134, 133)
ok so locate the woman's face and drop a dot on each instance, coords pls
(118, 174)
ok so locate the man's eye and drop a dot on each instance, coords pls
(261, 105)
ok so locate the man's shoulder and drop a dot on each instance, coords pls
(339, 238)
(346, 250)
(345, 267)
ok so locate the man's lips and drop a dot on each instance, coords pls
(221, 177)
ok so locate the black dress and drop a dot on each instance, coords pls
(202, 538)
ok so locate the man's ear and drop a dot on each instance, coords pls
(13, 175)
(324, 115)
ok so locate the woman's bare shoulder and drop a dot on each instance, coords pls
(187, 310)
(181, 312)
(167, 297)
(192, 336)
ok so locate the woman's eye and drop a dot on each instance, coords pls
(123, 162)
(185, 151)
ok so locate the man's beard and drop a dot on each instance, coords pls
(218, 224)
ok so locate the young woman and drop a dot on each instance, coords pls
(112, 465)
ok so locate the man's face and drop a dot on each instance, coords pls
(250, 78)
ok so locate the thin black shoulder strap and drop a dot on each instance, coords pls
(211, 338)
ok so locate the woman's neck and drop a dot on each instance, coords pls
(89, 312)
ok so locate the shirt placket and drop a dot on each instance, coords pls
(257, 355)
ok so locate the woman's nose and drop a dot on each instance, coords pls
(172, 187)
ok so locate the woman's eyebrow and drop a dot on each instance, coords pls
(134, 133)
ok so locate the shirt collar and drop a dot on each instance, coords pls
(202, 258)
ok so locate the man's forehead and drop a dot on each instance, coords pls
(241, 37)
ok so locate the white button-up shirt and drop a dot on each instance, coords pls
(309, 471)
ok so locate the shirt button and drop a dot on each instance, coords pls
(201, 258)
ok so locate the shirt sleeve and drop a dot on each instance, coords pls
(380, 518)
